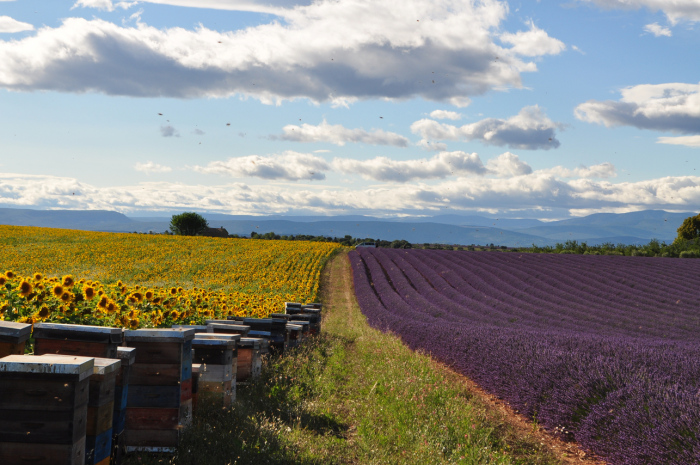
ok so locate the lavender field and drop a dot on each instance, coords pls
(603, 350)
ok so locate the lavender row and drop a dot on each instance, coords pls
(633, 400)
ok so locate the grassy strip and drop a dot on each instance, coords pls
(352, 395)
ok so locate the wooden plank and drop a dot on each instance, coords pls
(144, 439)
(42, 392)
(46, 427)
(102, 389)
(12, 453)
(10, 348)
(215, 373)
(158, 334)
(81, 348)
(97, 448)
(99, 419)
(73, 332)
(157, 352)
(153, 396)
(120, 397)
(186, 390)
(118, 421)
(156, 374)
(152, 418)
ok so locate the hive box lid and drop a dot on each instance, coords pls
(292, 304)
(227, 337)
(281, 315)
(197, 328)
(159, 335)
(240, 329)
(48, 364)
(300, 323)
(85, 333)
(14, 332)
(292, 327)
(102, 366)
(213, 343)
(250, 342)
(127, 355)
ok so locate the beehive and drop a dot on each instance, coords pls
(127, 356)
(159, 400)
(81, 340)
(249, 359)
(217, 355)
(13, 337)
(43, 409)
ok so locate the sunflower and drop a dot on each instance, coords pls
(25, 288)
(3, 280)
(9, 274)
(66, 297)
(44, 312)
(134, 324)
(89, 293)
(104, 300)
(38, 277)
(112, 306)
(149, 295)
(138, 296)
(68, 280)
(173, 291)
(175, 315)
(58, 290)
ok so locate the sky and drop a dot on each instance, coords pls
(534, 109)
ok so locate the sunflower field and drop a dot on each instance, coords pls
(138, 280)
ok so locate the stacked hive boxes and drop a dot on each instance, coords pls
(98, 439)
(84, 340)
(249, 359)
(159, 401)
(43, 409)
(127, 357)
(272, 329)
(217, 357)
(13, 337)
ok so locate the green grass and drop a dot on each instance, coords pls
(352, 395)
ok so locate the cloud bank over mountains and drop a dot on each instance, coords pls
(325, 51)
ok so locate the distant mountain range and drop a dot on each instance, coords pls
(629, 228)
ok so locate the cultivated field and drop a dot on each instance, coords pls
(135, 280)
(601, 349)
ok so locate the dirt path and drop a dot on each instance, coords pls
(338, 293)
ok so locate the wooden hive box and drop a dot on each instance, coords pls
(305, 327)
(197, 328)
(98, 438)
(294, 334)
(43, 409)
(217, 355)
(277, 329)
(13, 337)
(159, 399)
(249, 359)
(127, 356)
(81, 340)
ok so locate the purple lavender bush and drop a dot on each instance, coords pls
(603, 350)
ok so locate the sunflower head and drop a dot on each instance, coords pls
(66, 297)
(68, 280)
(173, 291)
(38, 277)
(138, 296)
(149, 295)
(44, 312)
(89, 293)
(3, 280)
(25, 288)
(112, 306)
(104, 300)
(58, 290)
(9, 274)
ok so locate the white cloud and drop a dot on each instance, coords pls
(151, 167)
(290, 166)
(508, 164)
(576, 49)
(444, 114)
(440, 166)
(663, 107)
(532, 43)
(107, 5)
(340, 135)
(601, 171)
(11, 25)
(169, 131)
(675, 10)
(657, 30)
(264, 6)
(688, 141)
(432, 146)
(530, 129)
(325, 51)
(534, 193)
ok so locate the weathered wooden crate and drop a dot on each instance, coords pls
(159, 398)
(127, 357)
(98, 439)
(305, 327)
(249, 359)
(81, 340)
(276, 343)
(43, 409)
(294, 335)
(13, 337)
